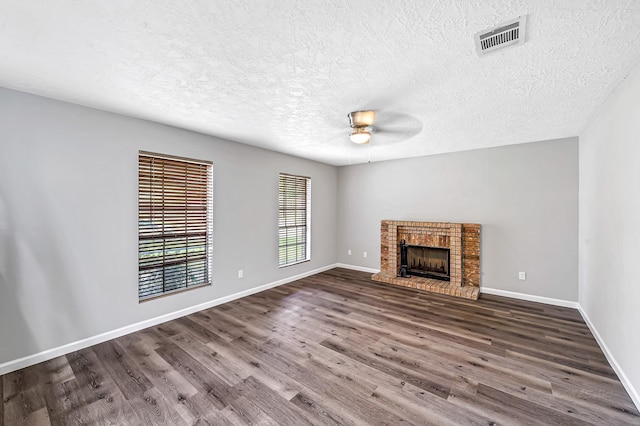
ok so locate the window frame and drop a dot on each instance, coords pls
(307, 221)
(197, 223)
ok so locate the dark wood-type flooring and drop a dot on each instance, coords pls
(335, 348)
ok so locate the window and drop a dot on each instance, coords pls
(294, 223)
(174, 224)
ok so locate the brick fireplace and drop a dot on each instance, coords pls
(461, 239)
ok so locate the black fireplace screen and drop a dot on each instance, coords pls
(432, 262)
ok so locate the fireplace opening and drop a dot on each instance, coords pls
(429, 262)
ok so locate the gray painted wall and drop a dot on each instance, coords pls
(68, 220)
(524, 196)
(68, 216)
(609, 242)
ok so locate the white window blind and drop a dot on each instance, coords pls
(174, 224)
(294, 219)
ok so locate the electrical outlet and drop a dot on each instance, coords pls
(349, 252)
(240, 273)
(364, 254)
(522, 276)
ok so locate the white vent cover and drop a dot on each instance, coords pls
(510, 33)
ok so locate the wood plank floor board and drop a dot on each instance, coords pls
(226, 369)
(358, 406)
(299, 373)
(454, 358)
(58, 370)
(320, 318)
(249, 330)
(168, 329)
(325, 359)
(206, 381)
(498, 414)
(569, 376)
(584, 412)
(102, 398)
(203, 333)
(173, 386)
(66, 404)
(153, 409)
(296, 331)
(422, 333)
(522, 410)
(334, 348)
(318, 409)
(276, 371)
(496, 332)
(21, 394)
(258, 364)
(565, 332)
(152, 337)
(198, 409)
(547, 353)
(271, 403)
(244, 412)
(459, 368)
(422, 364)
(125, 373)
(404, 374)
(598, 398)
(332, 377)
(145, 400)
(410, 402)
(342, 390)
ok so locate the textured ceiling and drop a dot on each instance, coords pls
(283, 75)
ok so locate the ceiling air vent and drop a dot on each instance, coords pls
(510, 33)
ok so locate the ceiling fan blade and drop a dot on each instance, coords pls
(407, 133)
(396, 127)
(397, 120)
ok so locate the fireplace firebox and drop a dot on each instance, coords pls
(424, 261)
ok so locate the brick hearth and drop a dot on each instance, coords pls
(462, 240)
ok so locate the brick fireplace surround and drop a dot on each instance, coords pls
(463, 241)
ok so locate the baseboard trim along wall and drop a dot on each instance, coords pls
(631, 390)
(29, 360)
(357, 268)
(530, 297)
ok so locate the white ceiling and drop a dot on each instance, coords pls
(283, 75)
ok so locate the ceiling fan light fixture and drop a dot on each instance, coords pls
(360, 136)
(361, 118)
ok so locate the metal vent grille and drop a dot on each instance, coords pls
(510, 33)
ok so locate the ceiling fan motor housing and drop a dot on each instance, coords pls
(360, 119)
(360, 122)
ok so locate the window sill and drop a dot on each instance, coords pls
(172, 292)
(294, 263)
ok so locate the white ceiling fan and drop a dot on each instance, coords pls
(361, 123)
(391, 127)
(382, 126)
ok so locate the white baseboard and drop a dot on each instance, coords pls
(530, 297)
(631, 390)
(357, 268)
(29, 360)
